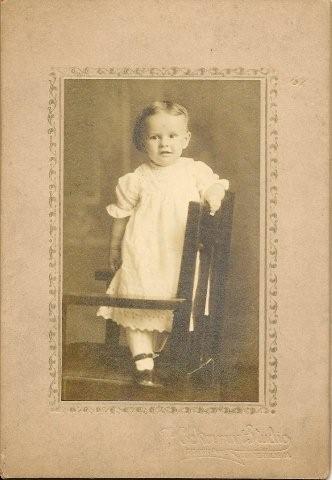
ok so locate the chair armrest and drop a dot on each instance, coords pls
(95, 299)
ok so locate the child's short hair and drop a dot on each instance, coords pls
(156, 107)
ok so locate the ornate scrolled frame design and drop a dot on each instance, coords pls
(269, 76)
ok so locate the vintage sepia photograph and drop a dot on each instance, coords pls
(163, 251)
(164, 238)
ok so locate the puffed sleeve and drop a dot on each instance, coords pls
(127, 195)
(205, 178)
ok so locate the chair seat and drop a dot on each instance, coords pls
(95, 299)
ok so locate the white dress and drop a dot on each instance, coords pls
(156, 199)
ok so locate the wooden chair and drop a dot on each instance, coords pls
(192, 355)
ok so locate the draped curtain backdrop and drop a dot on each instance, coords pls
(225, 123)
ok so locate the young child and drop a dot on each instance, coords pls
(149, 221)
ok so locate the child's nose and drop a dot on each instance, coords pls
(163, 141)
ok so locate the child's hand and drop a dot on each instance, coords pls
(215, 203)
(115, 259)
(214, 196)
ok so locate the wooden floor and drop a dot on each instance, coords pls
(92, 373)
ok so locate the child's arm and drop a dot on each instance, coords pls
(127, 196)
(117, 232)
(214, 196)
(211, 188)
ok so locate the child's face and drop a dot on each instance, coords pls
(165, 137)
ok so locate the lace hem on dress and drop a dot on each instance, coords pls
(150, 320)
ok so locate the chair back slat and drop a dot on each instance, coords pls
(205, 248)
(219, 273)
(179, 339)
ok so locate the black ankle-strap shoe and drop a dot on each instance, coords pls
(146, 378)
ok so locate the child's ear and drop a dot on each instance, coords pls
(186, 139)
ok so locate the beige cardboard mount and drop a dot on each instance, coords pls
(284, 46)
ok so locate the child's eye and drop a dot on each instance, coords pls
(153, 137)
(173, 135)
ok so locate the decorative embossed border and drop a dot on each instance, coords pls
(270, 79)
